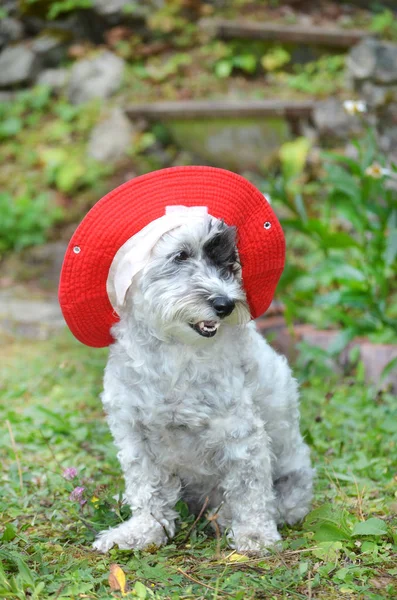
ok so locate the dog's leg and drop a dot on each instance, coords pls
(278, 402)
(151, 491)
(293, 481)
(249, 501)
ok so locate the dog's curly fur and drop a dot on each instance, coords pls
(194, 416)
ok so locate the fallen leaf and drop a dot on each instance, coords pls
(117, 580)
(238, 558)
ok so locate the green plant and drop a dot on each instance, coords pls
(52, 10)
(245, 62)
(323, 76)
(174, 20)
(275, 58)
(43, 148)
(346, 547)
(25, 221)
(247, 56)
(342, 273)
(385, 24)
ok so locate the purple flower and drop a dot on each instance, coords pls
(77, 495)
(69, 473)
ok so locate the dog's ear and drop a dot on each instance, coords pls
(220, 248)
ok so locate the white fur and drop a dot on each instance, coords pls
(194, 417)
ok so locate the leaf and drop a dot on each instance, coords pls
(68, 175)
(389, 368)
(341, 340)
(373, 526)
(350, 162)
(117, 580)
(328, 523)
(10, 127)
(245, 62)
(339, 240)
(9, 533)
(238, 558)
(223, 68)
(53, 157)
(329, 533)
(328, 551)
(140, 590)
(275, 58)
(300, 207)
(342, 181)
(293, 157)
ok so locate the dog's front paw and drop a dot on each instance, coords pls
(138, 533)
(258, 541)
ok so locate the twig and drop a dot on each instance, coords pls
(195, 580)
(14, 447)
(309, 585)
(60, 589)
(197, 519)
(212, 519)
(210, 587)
(87, 524)
(167, 535)
(50, 449)
(359, 500)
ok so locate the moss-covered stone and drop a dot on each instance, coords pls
(246, 143)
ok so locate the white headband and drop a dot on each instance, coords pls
(135, 253)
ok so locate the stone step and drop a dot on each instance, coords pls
(29, 318)
(212, 130)
(218, 109)
(334, 37)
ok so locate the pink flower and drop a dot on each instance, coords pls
(77, 495)
(69, 473)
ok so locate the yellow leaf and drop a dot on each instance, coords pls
(117, 579)
(238, 558)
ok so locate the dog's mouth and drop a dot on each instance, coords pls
(206, 328)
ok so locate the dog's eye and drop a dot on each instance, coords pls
(183, 255)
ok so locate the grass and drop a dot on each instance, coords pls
(52, 419)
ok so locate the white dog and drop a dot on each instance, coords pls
(198, 404)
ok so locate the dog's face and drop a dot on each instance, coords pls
(192, 284)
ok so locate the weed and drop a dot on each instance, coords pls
(43, 156)
(25, 220)
(384, 23)
(342, 271)
(321, 77)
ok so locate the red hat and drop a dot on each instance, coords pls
(129, 208)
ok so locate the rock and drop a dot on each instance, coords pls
(116, 11)
(332, 121)
(96, 77)
(18, 64)
(31, 318)
(51, 49)
(375, 357)
(54, 78)
(7, 96)
(235, 144)
(361, 61)
(373, 59)
(110, 139)
(109, 7)
(378, 95)
(11, 30)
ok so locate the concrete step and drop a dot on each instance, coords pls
(330, 37)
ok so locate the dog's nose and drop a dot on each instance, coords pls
(223, 306)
